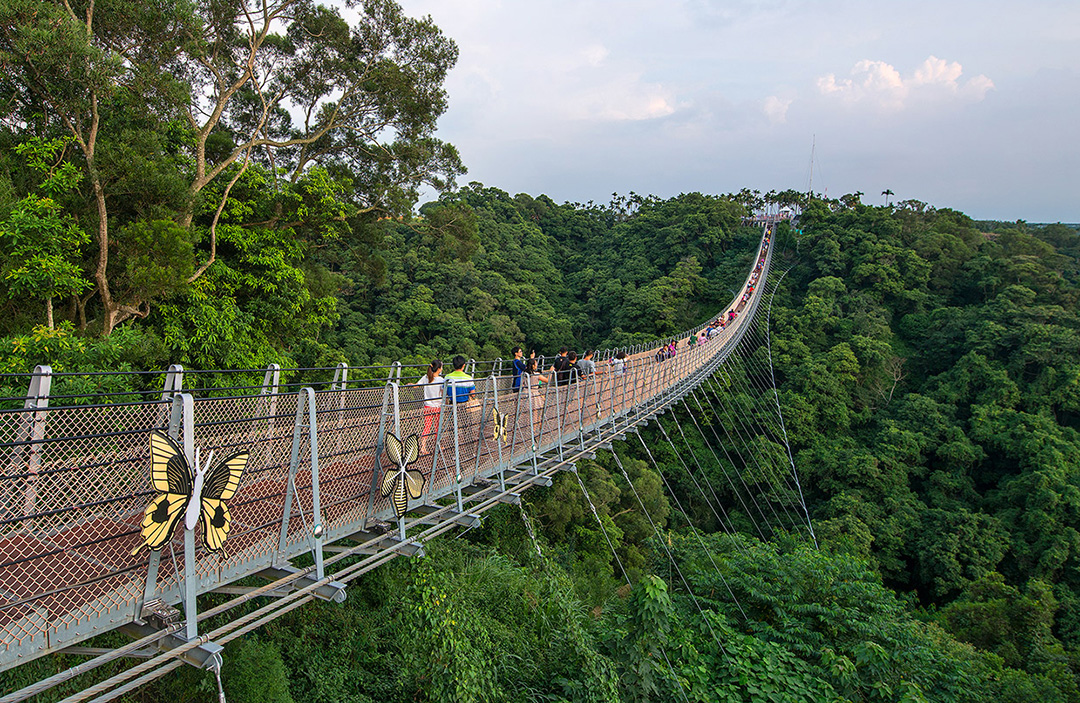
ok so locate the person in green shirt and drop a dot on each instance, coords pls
(459, 385)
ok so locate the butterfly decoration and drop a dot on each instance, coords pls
(498, 419)
(189, 494)
(402, 482)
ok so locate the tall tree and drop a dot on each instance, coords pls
(227, 80)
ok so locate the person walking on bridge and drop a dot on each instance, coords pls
(585, 365)
(618, 364)
(519, 366)
(569, 374)
(561, 367)
(432, 383)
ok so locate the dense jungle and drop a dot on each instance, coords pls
(927, 366)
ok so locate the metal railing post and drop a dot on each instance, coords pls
(480, 429)
(268, 402)
(306, 416)
(395, 391)
(558, 415)
(32, 429)
(341, 377)
(377, 464)
(457, 443)
(174, 383)
(187, 404)
(499, 441)
(524, 389)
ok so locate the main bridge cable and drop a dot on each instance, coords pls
(592, 506)
(773, 474)
(779, 413)
(747, 429)
(670, 556)
(767, 385)
(767, 394)
(731, 523)
(734, 466)
(539, 553)
(743, 436)
(767, 470)
(686, 517)
(729, 526)
(744, 353)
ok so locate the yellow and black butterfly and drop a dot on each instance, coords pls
(183, 492)
(498, 419)
(401, 481)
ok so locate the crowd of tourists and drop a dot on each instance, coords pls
(718, 325)
(459, 388)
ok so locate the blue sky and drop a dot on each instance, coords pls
(969, 105)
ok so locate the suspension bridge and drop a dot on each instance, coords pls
(329, 484)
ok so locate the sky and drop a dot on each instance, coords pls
(971, 105)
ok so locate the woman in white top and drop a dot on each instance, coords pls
(432, 382)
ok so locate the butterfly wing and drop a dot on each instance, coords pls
(221, 484)
(393, 448)
(161, 518)
(216, 523)
(223, 480)
(414, 481)
(169, 470)
(411, 450)
(171, 476)
(388, 479)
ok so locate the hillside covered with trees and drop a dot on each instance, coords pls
(173, 190)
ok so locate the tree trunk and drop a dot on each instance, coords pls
(110, 309)
(72, 307)
(49, 313)
(80, 307)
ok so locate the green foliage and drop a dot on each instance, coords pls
(645, 631)
(40, 241)
(254, 673)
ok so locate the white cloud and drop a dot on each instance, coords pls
(935, 70)
(776, 109)
(976, 88)
(620, 98)
(881, 85)
(594, 55)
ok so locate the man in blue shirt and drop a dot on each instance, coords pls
(519, 366)
(459, 385)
